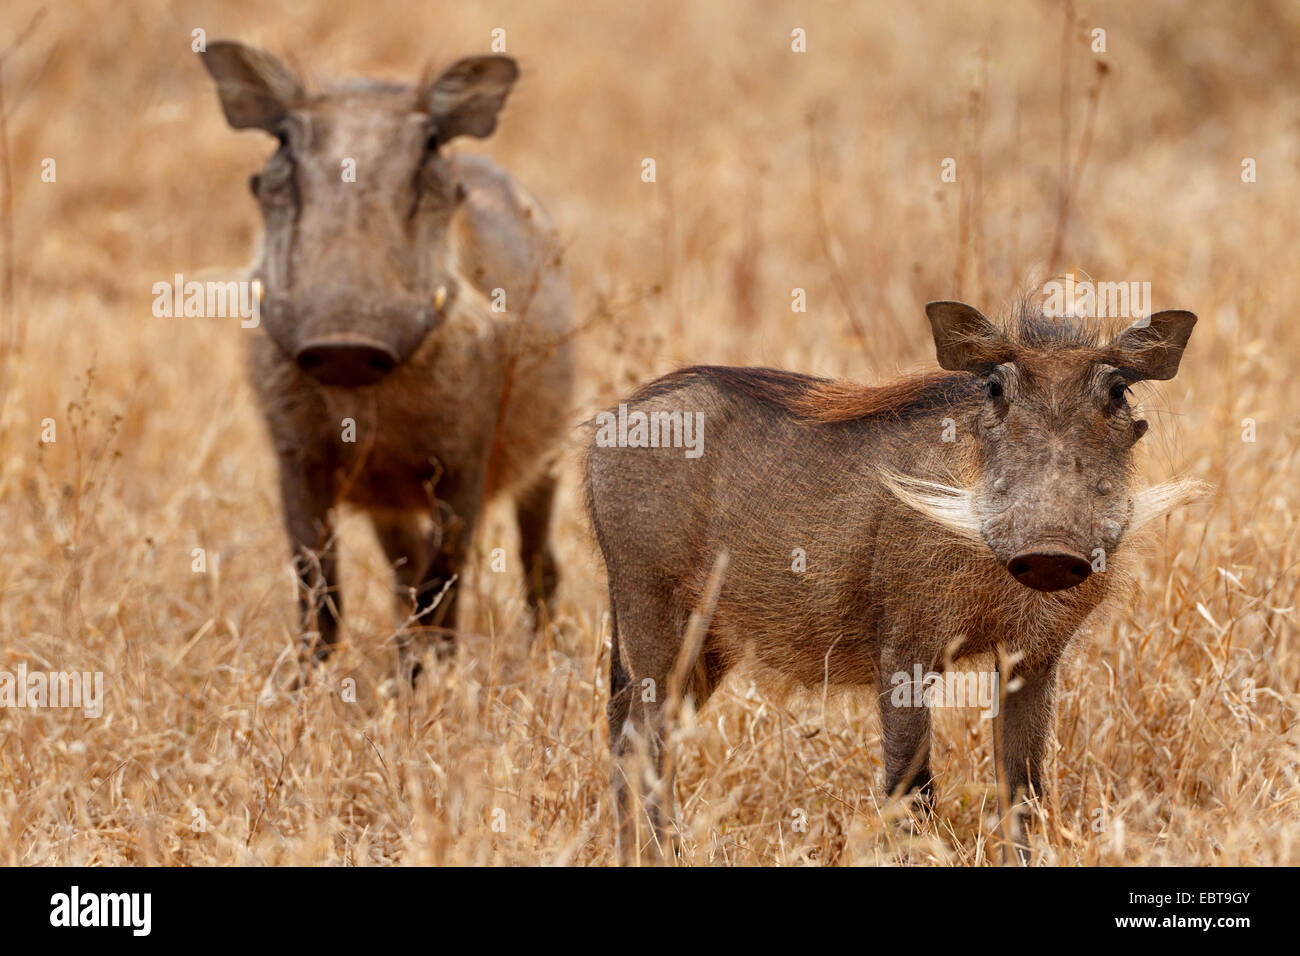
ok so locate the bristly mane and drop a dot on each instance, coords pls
(824, 400)
(841, 401)
(815, 399)
(1028, 328)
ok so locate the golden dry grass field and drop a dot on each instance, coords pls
(1177, 740)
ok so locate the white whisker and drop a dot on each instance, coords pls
(1158, 500)
(949, 506)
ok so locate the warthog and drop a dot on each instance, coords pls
(870, 532)
(415, 358)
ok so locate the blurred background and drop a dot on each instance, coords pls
(776, 170)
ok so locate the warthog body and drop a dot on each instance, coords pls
(873, 532)
(387, 377)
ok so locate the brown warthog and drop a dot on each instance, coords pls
(872, 532)
(415, 359)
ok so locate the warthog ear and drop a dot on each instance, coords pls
(465, 100)
(256, 89)
(964, 340)
(1153, 347)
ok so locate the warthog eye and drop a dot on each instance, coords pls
(1117, 392)
(995, 388)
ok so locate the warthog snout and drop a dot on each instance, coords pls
(1049, 570)
(343, 342)
(348, 363)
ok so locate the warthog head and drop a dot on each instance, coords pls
(1054, 434)
(356, 201)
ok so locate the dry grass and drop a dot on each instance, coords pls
(1161, 754)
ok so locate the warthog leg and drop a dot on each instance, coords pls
(307, 495)
(533, 512)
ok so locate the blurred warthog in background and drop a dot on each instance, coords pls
(390, 374)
